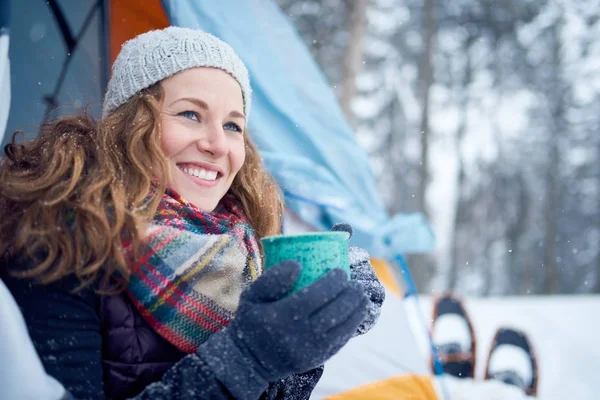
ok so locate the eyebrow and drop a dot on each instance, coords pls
(204, 106)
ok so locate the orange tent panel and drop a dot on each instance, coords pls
(386, 277)
(129, 18)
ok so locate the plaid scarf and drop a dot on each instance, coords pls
(192, 268)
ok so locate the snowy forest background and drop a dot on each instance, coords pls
(485, 116)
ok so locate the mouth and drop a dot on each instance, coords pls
(202, 175)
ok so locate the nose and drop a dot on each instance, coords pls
(214, 141)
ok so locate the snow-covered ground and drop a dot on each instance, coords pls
(563, 329)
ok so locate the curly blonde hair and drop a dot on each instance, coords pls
(71, 196)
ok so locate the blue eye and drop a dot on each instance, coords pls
(194, 116)
(233, 127)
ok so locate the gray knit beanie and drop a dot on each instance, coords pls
(153, 56)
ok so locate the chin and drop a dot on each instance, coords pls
(204, 205)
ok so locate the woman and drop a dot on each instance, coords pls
(131, 244)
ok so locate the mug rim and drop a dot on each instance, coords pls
(272, 238)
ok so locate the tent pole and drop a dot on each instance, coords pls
(412, 291)
(71, 43)
(63, 26)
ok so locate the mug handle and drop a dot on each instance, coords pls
(343, 227)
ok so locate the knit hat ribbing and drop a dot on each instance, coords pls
(155, 55)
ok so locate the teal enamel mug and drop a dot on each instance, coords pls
(317, 253)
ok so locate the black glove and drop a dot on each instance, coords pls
(362, 271)
(273, 335)
(294, 387)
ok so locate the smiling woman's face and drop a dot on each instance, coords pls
(202, 134)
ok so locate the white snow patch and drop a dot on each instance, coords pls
(450, 328)
(470, 389)
(563, 331)
(511, 358)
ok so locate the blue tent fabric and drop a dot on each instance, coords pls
(302, 134)
(39, 55)
(4, 66)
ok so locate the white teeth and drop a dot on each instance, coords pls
(203, 174)
(211, 175)
(200, 173)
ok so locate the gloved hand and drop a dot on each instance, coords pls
(362, 271)
(294, 387)
(274, 335)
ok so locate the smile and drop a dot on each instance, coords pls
(201, 176)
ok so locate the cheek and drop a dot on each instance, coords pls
(170, 143)
(238, 156)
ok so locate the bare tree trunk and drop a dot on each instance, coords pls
(393, 147)
(456, 235)
(460, 201)
(551, 217)
(514, 234)
(597, 221)
(552, 204)
(426, 80)
(551, 233)
(354, 56)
